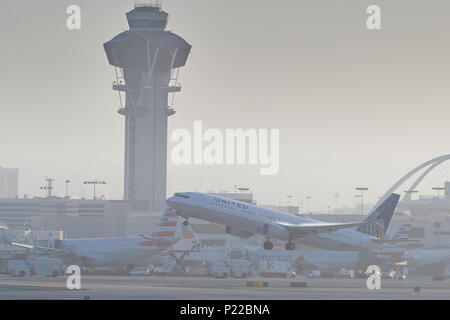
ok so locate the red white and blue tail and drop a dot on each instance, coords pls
(167, 225)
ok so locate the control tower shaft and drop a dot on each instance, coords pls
(146, 58)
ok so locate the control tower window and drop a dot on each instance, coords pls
(147, 24)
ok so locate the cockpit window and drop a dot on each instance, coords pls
(181, 195)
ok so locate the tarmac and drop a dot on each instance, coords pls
(208, 288)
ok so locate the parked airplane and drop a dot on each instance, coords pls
(244, 220)
(432, 261)
(121, 251)
(427, 261)
(390, 256)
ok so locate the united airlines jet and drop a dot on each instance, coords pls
(244, 220)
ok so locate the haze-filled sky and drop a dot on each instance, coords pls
(354, 107)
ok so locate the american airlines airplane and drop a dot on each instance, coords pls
(245, 220)
(326, 260)
(121, 251)
(431, 261)
(330, 260)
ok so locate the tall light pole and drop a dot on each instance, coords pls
(289, 199)
(336, 196)
(94, 182)
(300, 204)
(67, 188)
(307, 204)
(357, 196)
(409, 194)
(438, 224)
(362, 189)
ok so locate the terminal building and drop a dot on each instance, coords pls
(81, 218)
(9, 183)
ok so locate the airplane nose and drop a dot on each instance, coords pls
(172, 202)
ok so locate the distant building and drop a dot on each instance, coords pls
(427, 207)
(77, 218)
(9, 183)
(286, 209)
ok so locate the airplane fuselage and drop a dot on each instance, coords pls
(110, 251)
(254, 219)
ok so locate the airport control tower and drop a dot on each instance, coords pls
(147, 59)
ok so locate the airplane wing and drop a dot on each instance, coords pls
(57, 253)
(303, 229)
(27, 246)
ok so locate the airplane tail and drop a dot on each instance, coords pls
(380, 217)
(167, 225)
(401, 240)
(402, 233)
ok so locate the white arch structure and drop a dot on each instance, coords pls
(433, 163)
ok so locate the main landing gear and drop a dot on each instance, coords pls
(185, 222)
(290, 245)
(268, 245)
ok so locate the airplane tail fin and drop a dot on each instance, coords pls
(380, 217)
(402, 233)
(167, 225)
(401, 240)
